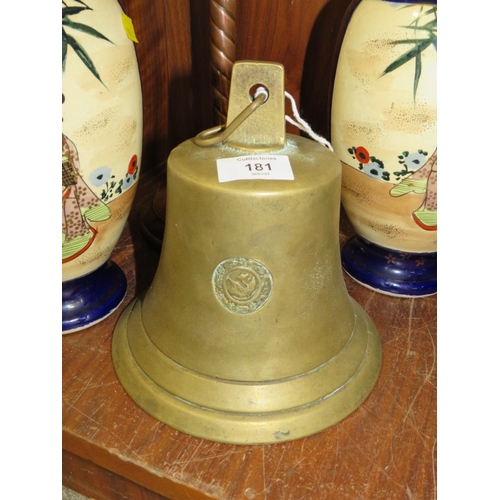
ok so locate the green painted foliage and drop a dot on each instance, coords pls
(419, 44)
(67, 39)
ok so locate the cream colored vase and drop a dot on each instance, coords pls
(101, 154)
(384, 119)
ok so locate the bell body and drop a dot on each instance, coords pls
(291, 233)
(247, 333)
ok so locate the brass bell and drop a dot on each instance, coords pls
(247, 334)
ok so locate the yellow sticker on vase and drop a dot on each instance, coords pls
(129, 28)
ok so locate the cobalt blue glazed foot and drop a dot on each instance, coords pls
(393, 272)
(93, 297)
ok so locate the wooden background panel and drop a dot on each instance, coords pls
(302, 35)
(174, 61)
(172, 86)
(320, 63)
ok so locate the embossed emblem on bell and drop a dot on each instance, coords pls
(247, 334)
(242, 285)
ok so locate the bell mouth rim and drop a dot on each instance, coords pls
(237, 427)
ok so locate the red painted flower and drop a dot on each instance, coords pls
(362, 155)
(132, 165)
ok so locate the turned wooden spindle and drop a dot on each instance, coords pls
(222, 53)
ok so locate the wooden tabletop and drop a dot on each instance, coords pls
(385, 450)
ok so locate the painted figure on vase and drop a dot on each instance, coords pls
(79, 206)
(423, 181)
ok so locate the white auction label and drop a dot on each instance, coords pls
(271, 167)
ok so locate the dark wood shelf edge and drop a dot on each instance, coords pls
(110, 462)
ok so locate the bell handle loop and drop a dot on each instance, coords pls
(218, 134)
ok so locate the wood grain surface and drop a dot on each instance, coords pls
(385, 450)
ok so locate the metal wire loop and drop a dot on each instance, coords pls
(218, 134)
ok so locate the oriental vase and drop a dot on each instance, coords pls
(384, 119)
(101, 154)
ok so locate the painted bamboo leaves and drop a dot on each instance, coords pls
(429, 28)
(67, 39)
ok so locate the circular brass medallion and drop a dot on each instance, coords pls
(242, 285)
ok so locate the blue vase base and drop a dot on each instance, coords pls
(388, 271)
(89, 299)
